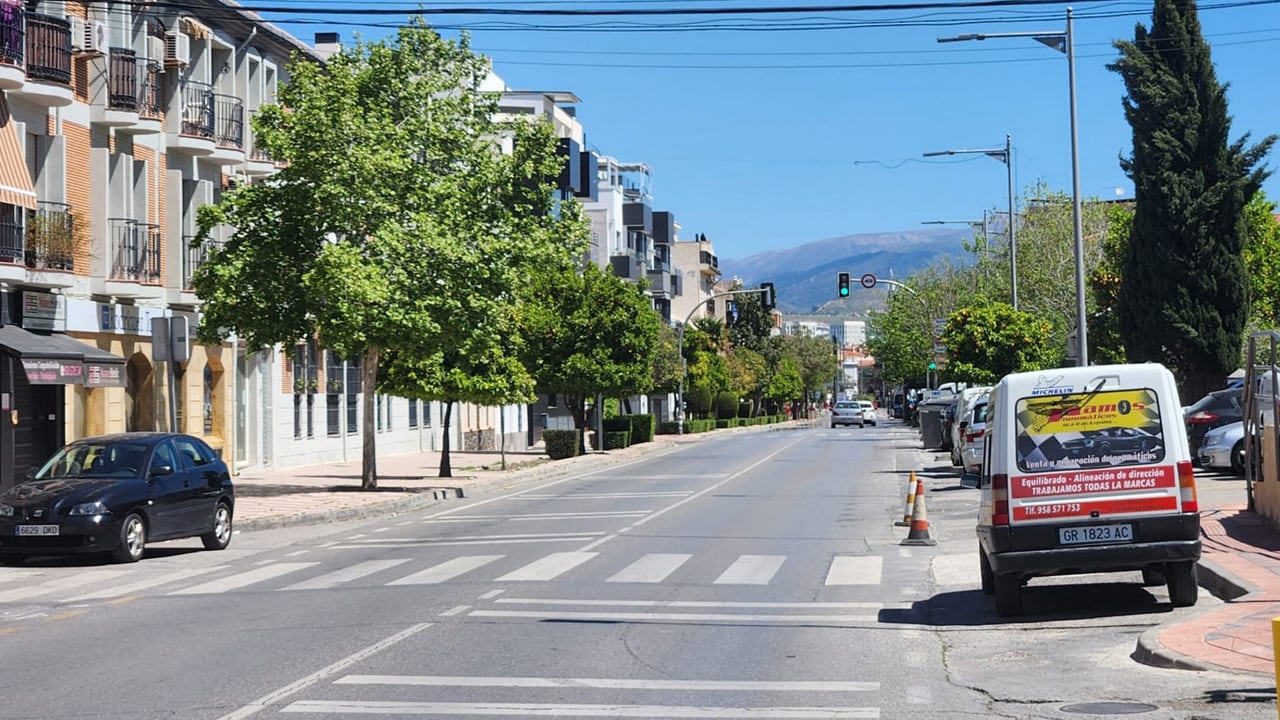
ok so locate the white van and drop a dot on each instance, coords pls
(1087, 470)
(965, 401)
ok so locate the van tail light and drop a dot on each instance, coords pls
(1000, 499)
(1187, 487)
(971, 436)
(1204, 416)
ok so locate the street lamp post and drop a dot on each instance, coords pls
(684, 365)
(1004, 155)
(1062, 42)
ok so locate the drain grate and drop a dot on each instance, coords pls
(1109, 708)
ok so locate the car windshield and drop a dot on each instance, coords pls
(119, 459)
(846, 405)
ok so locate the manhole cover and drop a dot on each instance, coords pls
(1108, 708)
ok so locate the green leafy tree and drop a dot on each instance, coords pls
(986, 342)
(1105, 344)
(785, 383)
(748, 372)
(666, 360)
(385, 149)
(1262, 261)
(1184, 298)
(589, 332)
(754, 324)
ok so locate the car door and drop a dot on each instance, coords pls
(171, 492)
(205, 478)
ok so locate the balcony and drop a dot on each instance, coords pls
(660, 283)
(135, 252)
(260, 163)
(150, 113)
(228, 126)
(626, 266)
(195, 256)
(48, 61)
(51, 237)
(708, 263)
(196, 129)
(13, 46)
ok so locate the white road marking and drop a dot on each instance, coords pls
(607, 496)
(382, 529)
(671, 617)
(447, 570)
(297, 686)
(296, 553)
(91, 577)
(695, 604)
(466, 538)
(549, 567)
(235, 582)
(133, 587)
(700, 476)
(751, 570)
(615, 515)
(652, 568)
(455, 611)
(388, 707)
(347, 574)
(491, 594)
(449, 543)
(613, 683)
(855, 570)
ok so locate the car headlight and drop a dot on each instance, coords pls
(6, 510)
(89, 508)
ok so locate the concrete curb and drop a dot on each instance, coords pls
(1223, 585)
(551, 470)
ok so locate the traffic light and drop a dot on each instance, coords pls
(844, 284)
(767, 298)
(933, 366)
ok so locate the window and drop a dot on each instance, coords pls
(195, 452)
(426, 414)
(378, 410)
(413, 414)
(334, 371)
(354, 383)
(388, 407)
(551, 400)
(306, 375)
(208, 399)
(164, 455)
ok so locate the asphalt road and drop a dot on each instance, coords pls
(756, 575)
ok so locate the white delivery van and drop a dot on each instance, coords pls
(1087, 470)
(964, 406)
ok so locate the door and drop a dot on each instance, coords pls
(203, 476)
(172, 492)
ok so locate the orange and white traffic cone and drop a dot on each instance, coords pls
(919, 534)
(911, 502)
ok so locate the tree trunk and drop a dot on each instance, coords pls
(369, 386)
(446, 468)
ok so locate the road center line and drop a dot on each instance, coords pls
(299, 685)
(691, 498)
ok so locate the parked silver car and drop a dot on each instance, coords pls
(1223, 448)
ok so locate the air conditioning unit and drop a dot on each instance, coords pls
(155, 48)
(89, 38)
(177, 48)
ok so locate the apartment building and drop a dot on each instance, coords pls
(699, 270)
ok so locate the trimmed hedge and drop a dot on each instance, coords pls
(617, 439)
(726, 406)
(670, 427)
(562, 443)
(642, 426)
(617, 424)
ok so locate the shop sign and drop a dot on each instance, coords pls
(126, 319)
(50, 371)
(43, 311)
(103, 375)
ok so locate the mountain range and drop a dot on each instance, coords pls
(804, 277)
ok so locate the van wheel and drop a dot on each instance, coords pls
(988, 577)
(1008, 595)
(1153, 577)
(1182, 584)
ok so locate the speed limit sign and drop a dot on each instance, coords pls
(868, 281)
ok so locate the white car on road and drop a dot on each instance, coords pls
(868, 412)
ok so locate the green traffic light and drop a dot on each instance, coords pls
(933, 366)
(844, 292)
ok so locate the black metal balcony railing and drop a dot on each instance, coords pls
(708, 259)
(195, 257)
(229, 121)
(135, 251)
(149, 93)
(12, 34)
(197, 109)
(256, 152)
(51, 237)
(12, 232)
(122, 80)
(49, 49)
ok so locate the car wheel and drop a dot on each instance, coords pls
(1182, 584)
(955, 457)
(1237, 458)
(133, 539)
(220, 537)
(1008, 595)
(988, 577)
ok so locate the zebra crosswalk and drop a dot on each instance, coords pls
(299, 575)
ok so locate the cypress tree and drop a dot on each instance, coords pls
(1183, 298)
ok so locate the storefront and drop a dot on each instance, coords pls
(36, 367)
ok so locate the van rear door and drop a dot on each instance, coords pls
(1111, 453)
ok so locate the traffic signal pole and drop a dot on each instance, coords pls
(870, 281)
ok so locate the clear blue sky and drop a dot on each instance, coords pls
(768, 139)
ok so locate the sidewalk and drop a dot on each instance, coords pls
(1240, 563)
(331, 492)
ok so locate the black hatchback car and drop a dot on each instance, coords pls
(116, 493)
(1218, 408)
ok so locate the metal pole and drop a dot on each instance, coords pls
(684, 368)
(1013, 238)
(1082, 331)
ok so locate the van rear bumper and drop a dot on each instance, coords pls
(1034, 550)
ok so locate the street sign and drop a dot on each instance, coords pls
(868, 281)
(939, 324)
